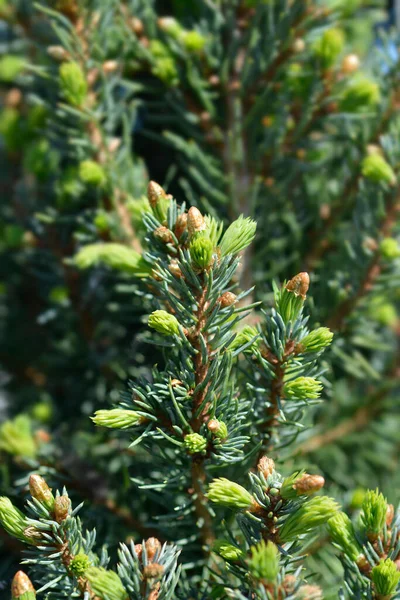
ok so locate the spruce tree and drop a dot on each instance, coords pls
(199, 288)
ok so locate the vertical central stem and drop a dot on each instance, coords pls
(198, 473)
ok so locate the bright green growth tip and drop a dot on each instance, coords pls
(227, 493)
(116, 418)
(264, 561)
(329, 46)
(10, 67)
(16, 437)
(164, 322)
(303, 388)
(116, 256)
(12, 519)
(342, 533)
(386, 578)
(377, 169)
(227, 551)
(92, 173)
(389, 249)
(361, 95)
(310, 515)
(195, 443)
(201, 251)
(73, 83)
(193, 41)
(316, 340)
(106, 584)
(79, 564)
(238, 236)
(373, 515)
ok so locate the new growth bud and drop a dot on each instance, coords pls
(266, 466)
(299, 285)
(310, 515)
(117, 418)
(159, 200)
(195, 221)
(201, 251)
(92, 173)
(227, 493)
(389, 248)
(227, 299)
(301, 484)
(79, 564)
(375, 168)
(164, 322)
(22, 588)
(218, 428)
(329, 46)
(62, 508)
(227, 551)
(264, 561)
(385, 578)
(316, 340)
(303, 388)
(12, 519)
(153, 548)
(342, 533)
(41, 491)
(195, 443)
(73, 83)
(238, 236)
(373, 515)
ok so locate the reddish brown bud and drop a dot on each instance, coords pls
(227, 299)
(163, 234)
(299, 284)
(13, 98)
(310, 592)
(139, 550)
(195, 221)
(62, 506)
(136, 26)
(181, 225)
(174, 268)
(41, 491)
(21, 584)
(175, 382)
(153, 546)
(309, 484)
(213, 425)
(266, 466)
(154, 193)
(153, 571)
(389, 514)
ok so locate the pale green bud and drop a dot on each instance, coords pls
(238, 236)
(361, 95)
(117, 418)
(357, 498)
(289, 299)
(79, 564)
(43, 411)
(373, 515)
(41, 491)
(303, 388)
(385, 314)
(218, 428)
(310, 515)
(201, 251)
(92, 173)
(264, 561)
(247, 334)
(164, 322)
(164, 66)
(16, 437)
(116, 256)
(10, 67)
(170, 26)
(195, 443)
(73, 83)
(385, 578)
(227, 493)
(389, 248)
(342, 533)
(375, 168)
(106, 584)
(227, 551)
(12, 519)
(329, 46)
(22, 588)
(316, 340)
(193, 41)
